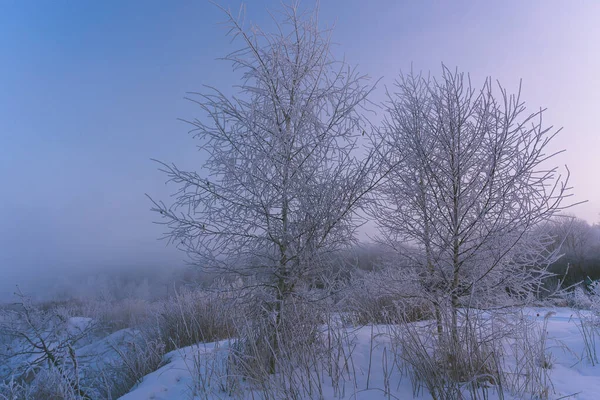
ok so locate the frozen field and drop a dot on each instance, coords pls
(571, 372)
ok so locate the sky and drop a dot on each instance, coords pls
(90, 91)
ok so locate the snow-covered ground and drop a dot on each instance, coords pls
(175, 380)
(572, 374)
(198, 372)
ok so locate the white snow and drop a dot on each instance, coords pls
(175, 379)
(572, 374)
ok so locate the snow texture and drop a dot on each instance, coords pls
(572, 375)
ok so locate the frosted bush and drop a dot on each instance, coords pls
(581, 299)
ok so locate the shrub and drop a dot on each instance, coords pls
(376, 298)
(141, 355)
(286, 360)
(194, 316)
(491, 352)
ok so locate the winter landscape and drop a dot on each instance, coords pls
(330, 234)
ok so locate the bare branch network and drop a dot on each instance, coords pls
(458, 178)
(284, 173)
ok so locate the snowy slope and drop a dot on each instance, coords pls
(572, 374)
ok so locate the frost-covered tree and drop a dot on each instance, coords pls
(472, 180)
(42, 343)
(574, 236)
(284, 172)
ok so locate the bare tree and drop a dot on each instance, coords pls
(42, 341)
(284, 173)
(574, 236)
(472, 181)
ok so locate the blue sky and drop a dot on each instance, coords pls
(91, 90)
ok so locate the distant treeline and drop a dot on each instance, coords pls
(580, 248)
(576, 240)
